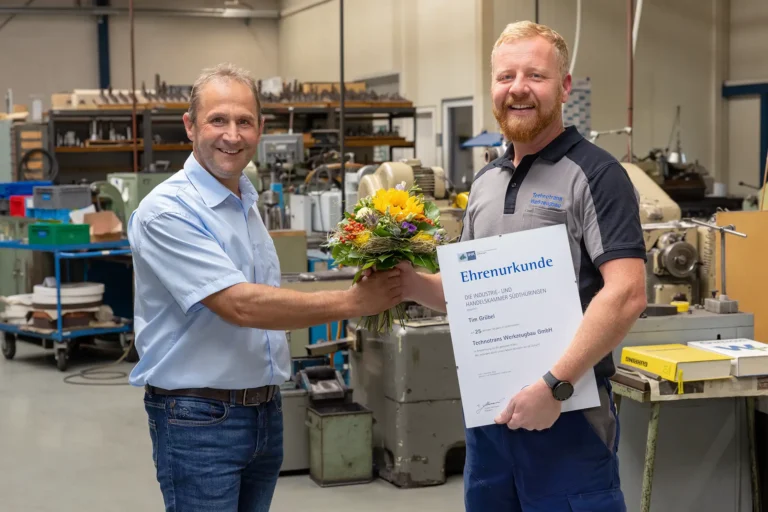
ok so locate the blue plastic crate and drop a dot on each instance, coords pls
(43, 214)
(21, 188)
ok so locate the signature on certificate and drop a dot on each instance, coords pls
(489, 406)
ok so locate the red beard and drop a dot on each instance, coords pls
(525, 130)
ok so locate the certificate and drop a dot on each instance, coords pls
(513, 307)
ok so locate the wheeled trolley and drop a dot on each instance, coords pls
(64, 340)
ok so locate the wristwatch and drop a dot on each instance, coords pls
(561, 389)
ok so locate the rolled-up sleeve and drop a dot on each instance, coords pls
(186, 258)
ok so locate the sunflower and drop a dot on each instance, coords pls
(398, 203)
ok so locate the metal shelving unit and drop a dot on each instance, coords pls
(60, 339)
(166, 122)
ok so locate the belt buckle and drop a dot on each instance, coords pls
(245, 399)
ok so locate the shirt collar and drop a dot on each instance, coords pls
(552, 152)
(211, 189)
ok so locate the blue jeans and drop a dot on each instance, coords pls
(215, 456)
(571, 467)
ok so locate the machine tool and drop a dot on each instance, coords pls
(680, 252)
(131, 189)
(278, 155)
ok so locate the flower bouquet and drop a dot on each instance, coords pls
(394, 225)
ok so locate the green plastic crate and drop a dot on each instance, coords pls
(59, 234)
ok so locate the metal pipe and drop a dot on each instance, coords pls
(153, 11)
(103, 46)
(630, 78)
(342, 109)
(727, 229)
(134, 133)
(723, 230)
(285, 13)
(536, 18)
(722, 263)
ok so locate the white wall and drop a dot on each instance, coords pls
(748, 60)
(179, 48)
(309, 41)
(428, 42)
(36, 60)
(46, 54)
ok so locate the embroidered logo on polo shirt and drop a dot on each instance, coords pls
(548, 200)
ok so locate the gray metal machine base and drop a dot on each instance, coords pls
(408, 378)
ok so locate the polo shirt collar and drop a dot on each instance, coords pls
(211, 190)
(552, 152)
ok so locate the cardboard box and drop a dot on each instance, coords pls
(105, 226)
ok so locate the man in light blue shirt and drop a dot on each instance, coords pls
(210, 318)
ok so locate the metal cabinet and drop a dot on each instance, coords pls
(17, 268)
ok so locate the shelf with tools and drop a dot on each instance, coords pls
(104, 133)
(122, 148)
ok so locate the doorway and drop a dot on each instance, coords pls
(457, 129)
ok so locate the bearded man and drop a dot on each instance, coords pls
(537, 459)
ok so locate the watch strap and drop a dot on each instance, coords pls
(551, 380)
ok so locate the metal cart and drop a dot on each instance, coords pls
(61, 339)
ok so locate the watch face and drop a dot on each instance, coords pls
(563, 391)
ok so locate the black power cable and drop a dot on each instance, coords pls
(24, 160)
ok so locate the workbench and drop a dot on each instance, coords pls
(702, 460)
(59, 339)
(631, 385)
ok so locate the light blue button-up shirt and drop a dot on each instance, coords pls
(192, 237)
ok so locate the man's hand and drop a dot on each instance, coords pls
(534, 408)
(411, 279)
(376, 292)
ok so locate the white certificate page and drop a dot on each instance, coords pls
(513, 308)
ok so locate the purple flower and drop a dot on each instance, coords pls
(400, 186)
(410, 227)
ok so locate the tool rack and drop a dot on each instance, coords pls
(61, 339)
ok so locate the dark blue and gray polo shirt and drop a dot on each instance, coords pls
(573, 182)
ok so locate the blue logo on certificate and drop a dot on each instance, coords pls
(467, 256)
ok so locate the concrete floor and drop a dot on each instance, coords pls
(73, 448)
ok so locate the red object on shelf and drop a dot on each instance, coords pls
(18, 206)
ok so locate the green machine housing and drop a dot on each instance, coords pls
(134, 186)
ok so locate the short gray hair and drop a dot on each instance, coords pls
(225, 71)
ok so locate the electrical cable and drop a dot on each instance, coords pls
(577, 38)
(101, 374)
(636, 27)
(24, 160)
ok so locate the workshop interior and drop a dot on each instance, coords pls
(360, 96)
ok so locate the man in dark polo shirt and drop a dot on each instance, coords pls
(537, 459)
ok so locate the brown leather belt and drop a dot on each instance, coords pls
(247, 397)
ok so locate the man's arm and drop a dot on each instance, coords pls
(607, 320)
(264, 307)
(426, 289)
(175, 248)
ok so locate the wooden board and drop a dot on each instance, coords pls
(746, 272)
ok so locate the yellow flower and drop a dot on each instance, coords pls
(398, 202)
(362, 238)
(423, 236)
